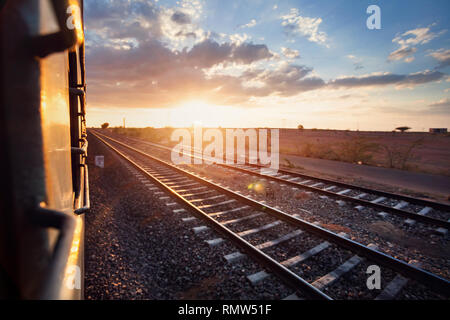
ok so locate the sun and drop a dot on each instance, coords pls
(198, 112)
(194, 106)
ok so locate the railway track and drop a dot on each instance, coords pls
(431, 213)
(271, 236)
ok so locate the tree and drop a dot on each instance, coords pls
(402, 129)
(105, 125)
(300, 127)
(400, 156)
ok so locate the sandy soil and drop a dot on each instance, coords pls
(414, 183)
(428, 167)
(431, 156)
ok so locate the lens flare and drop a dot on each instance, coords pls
(258, 187)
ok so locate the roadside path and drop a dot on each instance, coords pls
(420, 183)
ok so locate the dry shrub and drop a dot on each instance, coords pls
(289, 163)
(318, 150)
(357, 150)
(336, 228)
(387, 231)
(302, 196)
(399, 156)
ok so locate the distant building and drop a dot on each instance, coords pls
(438, 130)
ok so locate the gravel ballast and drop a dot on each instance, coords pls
(287, 200)
(137, 248)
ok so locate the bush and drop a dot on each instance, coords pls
(308, 151)
(318, 150)
(400, 156)
(289, 163)
(357, 150)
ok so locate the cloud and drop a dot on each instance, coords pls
(443, 56)
(186, 34)
(142, 20)
(181, 18)
(402, 54)
(247, 53)
(251, 24)
(294, 23)
(290, 53)
(192, 7)
(157, 75)
(238, 38)
(285, 80)
(418, 36)
(109, 16)
(209, 53)
(410, 38)
(385, 79)
(440, 107)
(138, 55)
(357, 63)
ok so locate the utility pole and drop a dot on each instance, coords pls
(124, 123)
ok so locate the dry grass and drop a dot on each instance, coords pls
(302, 196)
(390, 233)
(414, 151)
(198, 291)
(336, 228)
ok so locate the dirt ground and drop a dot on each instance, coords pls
(414, 163)
(410, 151)
(430, 152)
(416, 184)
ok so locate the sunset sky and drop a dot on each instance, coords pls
(258, 63)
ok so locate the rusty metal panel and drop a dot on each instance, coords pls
(55, 120)
(36, 140)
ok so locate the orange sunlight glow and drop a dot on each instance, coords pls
(199, 112)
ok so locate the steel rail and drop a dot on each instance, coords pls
(418, 201)
(366, 203)
(427, 278)
(289, 277)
